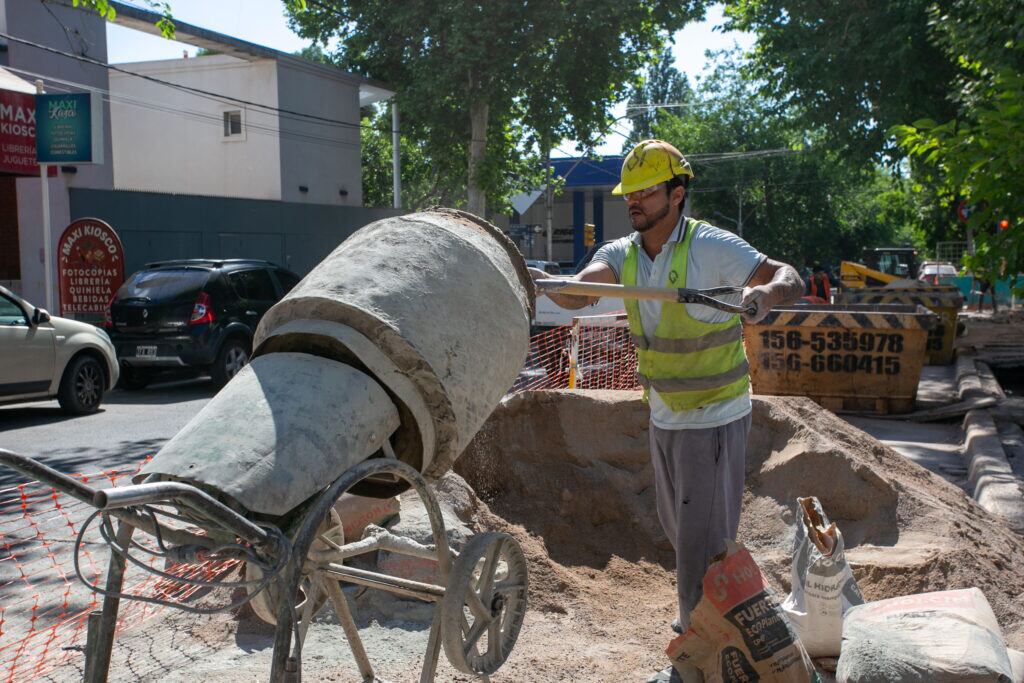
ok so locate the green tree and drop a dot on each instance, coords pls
(849, 72)
(662, 84)
(978, 157)
(476, 80)
(799, 200)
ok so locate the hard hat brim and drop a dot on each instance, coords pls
(621, 189)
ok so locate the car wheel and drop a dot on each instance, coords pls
(232, 357)
(81, 387)
(132, 379)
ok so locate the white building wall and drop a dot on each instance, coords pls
(168, 140)
(323, 157)
(82, 33)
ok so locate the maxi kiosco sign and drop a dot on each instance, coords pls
(90, 268)
(69, 129)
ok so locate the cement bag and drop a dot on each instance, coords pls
(358, 512)
(823, 584)
(738, 632)
(943, 637)
(1017, 665)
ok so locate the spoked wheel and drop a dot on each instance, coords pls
(484, 604)
(264, 603)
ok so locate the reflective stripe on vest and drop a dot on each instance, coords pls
(689, 363)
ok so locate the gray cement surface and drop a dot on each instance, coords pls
(937, 386)
(936, 446)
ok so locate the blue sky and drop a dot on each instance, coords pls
(263, 22)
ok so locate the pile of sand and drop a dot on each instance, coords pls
(568, 473)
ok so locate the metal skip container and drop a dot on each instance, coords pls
(851, 357)
(401, 342)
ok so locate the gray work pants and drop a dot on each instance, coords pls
(698, 479)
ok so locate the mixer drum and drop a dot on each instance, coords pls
(435, 305)
(403, 340)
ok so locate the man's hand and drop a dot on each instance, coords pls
(773, 283)
(595, 272)
(759, 297)
(537, 274)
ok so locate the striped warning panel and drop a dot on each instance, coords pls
(909, 318)
(929, 300)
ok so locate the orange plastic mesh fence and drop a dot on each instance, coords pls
(43, 606)
(595, 352)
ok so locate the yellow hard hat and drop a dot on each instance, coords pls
(649, 163)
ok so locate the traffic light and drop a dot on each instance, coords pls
(588, 235)
(1004, 224)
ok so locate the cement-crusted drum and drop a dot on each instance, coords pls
(430, 311)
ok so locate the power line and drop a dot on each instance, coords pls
(219, 97)
(202, 117)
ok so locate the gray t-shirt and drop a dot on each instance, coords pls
(717, 258)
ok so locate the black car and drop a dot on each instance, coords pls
(197, 313)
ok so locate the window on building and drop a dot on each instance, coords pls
(232, 123)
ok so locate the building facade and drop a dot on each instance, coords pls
(250, 124)
(227, 146)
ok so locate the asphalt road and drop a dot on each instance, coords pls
(128, 426)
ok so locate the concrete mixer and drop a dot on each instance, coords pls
(371, 376)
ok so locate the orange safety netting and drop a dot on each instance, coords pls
(595, 352)
(43, 606)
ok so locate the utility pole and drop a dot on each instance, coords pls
(396, 158)
(549, 199)
(44, 185)
(739, 221)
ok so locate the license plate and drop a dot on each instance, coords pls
(145, 351)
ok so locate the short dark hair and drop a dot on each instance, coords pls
(678, 181)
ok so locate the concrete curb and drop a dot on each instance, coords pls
(994, 485)
(968, 382)
(991, 479)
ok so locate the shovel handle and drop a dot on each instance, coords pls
(704, 297)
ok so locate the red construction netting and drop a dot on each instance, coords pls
(43, 606)
(595, 352)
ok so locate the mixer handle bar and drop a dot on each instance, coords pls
(33, 469)
(165, 491)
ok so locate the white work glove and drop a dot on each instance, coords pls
(758, 297)
(538, 274)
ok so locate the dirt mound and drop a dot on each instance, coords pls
(569, 474)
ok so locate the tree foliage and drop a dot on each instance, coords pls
(662, 84)
(978, 158)
(484, 86)
(801, 202)
(849, 71)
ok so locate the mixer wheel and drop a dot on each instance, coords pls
(484, 603)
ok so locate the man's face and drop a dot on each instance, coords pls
(645, 212)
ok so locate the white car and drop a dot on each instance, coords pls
(45, 357)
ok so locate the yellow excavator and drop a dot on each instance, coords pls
(880, 267)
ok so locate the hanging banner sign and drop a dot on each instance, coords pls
(18, 133)
(69, 128)
(90, 268)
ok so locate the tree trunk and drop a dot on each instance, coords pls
(475, 195)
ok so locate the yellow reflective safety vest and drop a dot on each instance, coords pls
(689, 363)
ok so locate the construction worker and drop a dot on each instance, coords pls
(819, 285)
(691, 358)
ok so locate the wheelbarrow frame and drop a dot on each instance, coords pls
(304, 562)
